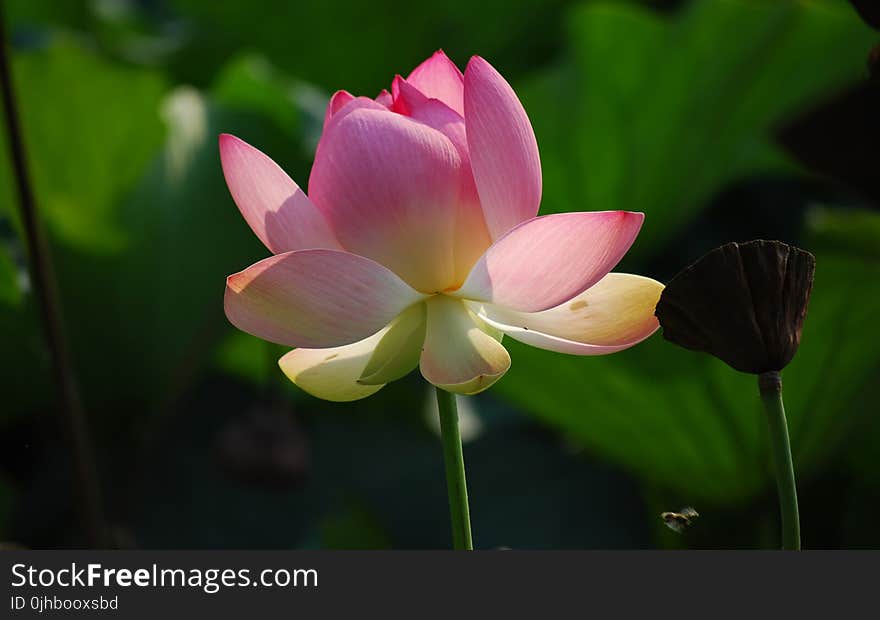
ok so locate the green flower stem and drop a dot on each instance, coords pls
(455, 478)
(770, 385)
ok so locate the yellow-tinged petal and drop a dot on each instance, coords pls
(615, 313)
(332, 374)
(399, 349)
(459, 355)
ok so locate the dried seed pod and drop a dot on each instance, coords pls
(744, 303)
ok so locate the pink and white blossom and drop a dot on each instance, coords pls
(419, 244)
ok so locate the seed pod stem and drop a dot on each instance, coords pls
(770, 387)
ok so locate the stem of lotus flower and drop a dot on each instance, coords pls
(86, 489)
(455, 478)
(770, 386)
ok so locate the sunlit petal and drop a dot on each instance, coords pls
(389, 186)
(339, 99)
(332, 374)
(315, 298)
(615, 313)
(439, 78)
(550, 259)
(276, 209)
(504, 152)
(471, 235)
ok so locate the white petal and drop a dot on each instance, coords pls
(614, 314)
(332, 374)
(399, 350)
(460, 355)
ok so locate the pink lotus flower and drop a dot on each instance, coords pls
(418, 244)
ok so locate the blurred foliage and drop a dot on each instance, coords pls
(634, 108)
(689, 423)
(86, 146)
(852, 231)
(10, 287)
(353, 498)
(136, 224)
(660, 112)
(33, 14)
(242, 356)
(24, 365)
(358, 45)
(858, 233)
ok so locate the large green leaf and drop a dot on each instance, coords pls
(150, 318)
(686, 422)
(90, 128)
(656, 113)
(143, 235)
(859, 233)
(250, 83)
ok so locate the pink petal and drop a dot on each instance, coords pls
(471, 236)
(384, 98)
(614, 314)
(388, 185)
(315, 298)
(548, 260)
(275, 208)
(409, 101)
(439, 78)
(336, 103)
(459, 355)
(405, 97)
(504, 153)
(398, 104)
(346, 107)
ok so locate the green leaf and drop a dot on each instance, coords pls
(856, 232)
(155, 313)
(686, 422)
(90, 129)
(250, 83)
(657, 114)
(144, 234)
